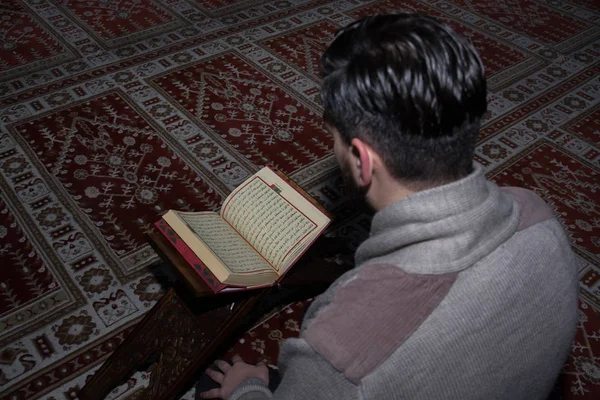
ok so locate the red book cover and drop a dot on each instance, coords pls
(189, 255)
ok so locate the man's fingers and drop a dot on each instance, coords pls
(215, 376)
(261, 364)
(212, 394)
(236, 359)
(223, 365)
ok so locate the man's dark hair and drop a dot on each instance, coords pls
(410, 87)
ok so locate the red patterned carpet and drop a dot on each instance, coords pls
(113, 111)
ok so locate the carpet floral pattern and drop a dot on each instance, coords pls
(112, 112)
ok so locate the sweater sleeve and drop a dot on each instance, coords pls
(251, 389)
(366, 320)
(307, 375)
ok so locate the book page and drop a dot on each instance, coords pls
(224, 242)
(273, 217)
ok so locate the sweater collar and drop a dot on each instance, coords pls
(443, 229)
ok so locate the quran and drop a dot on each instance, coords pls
(264, 226)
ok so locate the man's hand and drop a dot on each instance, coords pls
(233, 375)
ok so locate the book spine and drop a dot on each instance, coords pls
(189, 256)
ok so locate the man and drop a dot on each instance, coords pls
(463, 290)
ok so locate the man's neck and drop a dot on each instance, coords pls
(386, 190)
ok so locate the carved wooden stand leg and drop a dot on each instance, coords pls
(182, 341)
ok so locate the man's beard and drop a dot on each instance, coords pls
(351, 189)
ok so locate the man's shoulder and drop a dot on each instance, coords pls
(539, 232)
(372, 314)
(533, 209)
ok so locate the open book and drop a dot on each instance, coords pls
(263, 228)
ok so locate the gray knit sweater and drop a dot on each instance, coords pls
(465, 291)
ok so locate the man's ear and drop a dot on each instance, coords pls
(361, 162)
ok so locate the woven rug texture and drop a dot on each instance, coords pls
(112, 112)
